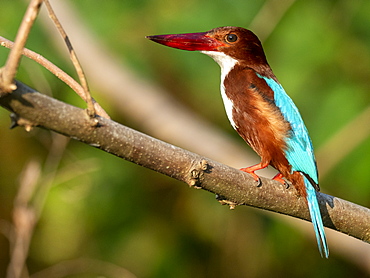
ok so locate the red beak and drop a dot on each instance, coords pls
(191, 41)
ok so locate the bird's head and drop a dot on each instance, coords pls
(221, 44)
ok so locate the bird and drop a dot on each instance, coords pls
(260, 110)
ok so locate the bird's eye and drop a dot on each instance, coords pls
(231, 38)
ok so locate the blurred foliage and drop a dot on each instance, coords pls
(111, 210)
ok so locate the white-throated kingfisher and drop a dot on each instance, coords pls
(259, 109)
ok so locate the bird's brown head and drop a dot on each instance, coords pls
(236, 42)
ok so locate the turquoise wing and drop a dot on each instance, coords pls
(301, 157)
(299, 151)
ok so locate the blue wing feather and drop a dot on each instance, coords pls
(299, 153)
(301, 157)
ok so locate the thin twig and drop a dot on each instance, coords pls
(73, 56)
(67, 79)
(7, 74)
(23, 220)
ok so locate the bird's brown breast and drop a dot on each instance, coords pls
(258, 120)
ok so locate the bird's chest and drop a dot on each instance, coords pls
(254, 115)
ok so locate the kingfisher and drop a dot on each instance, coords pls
(259, 109)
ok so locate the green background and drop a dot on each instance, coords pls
(103, 208)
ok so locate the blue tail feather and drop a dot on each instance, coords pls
(316, 219)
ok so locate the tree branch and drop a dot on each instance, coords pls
(232, 186)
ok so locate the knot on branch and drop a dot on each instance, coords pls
(19, 121)
(6, 86)
(224, 201)
(92, 118)
(196, 173)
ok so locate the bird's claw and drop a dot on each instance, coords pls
(254, 176)
(259, 182)
(279, 178)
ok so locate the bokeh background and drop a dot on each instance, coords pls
(100, 215)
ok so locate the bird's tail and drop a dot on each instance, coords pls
(316, 219)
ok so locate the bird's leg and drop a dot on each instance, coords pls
(279, 177)
(250, 170)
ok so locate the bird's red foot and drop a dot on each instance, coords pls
(256, 177)
(279, 177)
(250, 170)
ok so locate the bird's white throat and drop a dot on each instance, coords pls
(226, 63)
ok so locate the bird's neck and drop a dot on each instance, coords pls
(227, 63)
